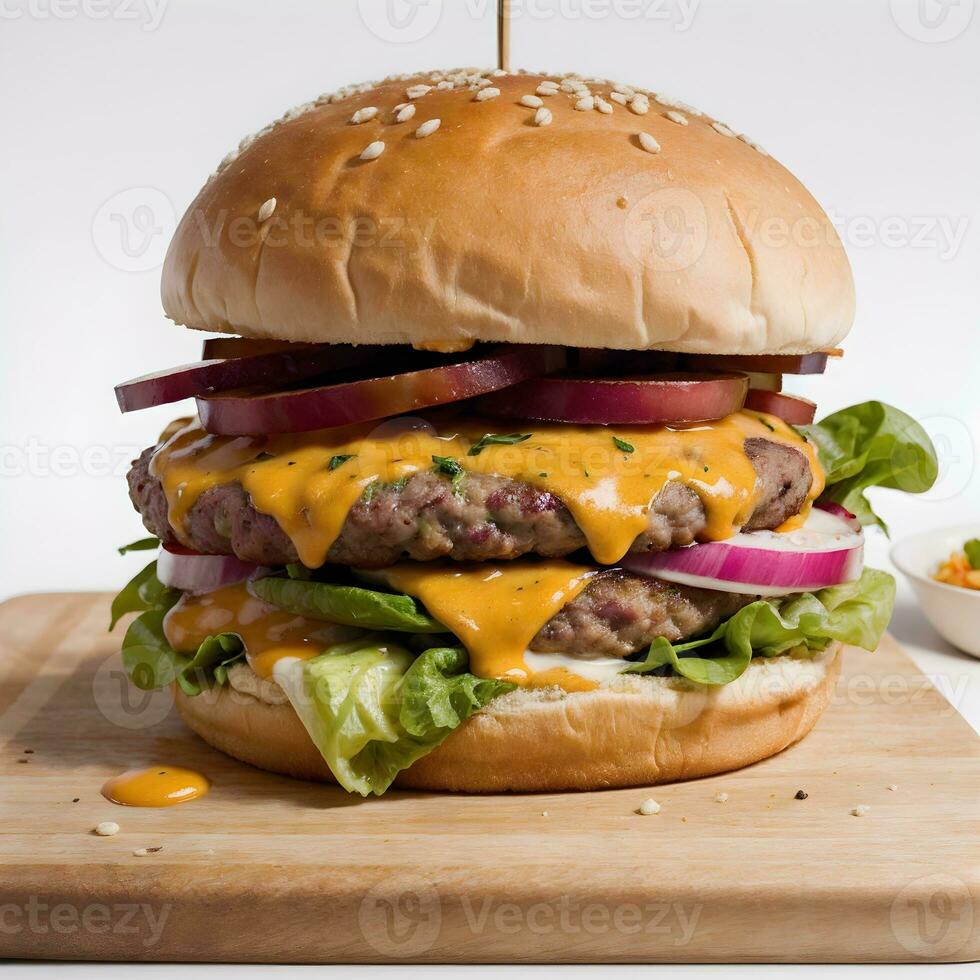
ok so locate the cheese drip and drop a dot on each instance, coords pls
(308, 484)
(267, 633)
(496, 609)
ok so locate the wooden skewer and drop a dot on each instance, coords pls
(503, 35)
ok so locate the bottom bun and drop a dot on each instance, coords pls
(634, 731)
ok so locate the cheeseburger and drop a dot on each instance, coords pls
(493, 482)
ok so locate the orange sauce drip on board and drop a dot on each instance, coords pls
(268, 633)
(496, 609)
(296, 479)
(156, 786)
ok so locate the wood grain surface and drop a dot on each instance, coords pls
(268, 869)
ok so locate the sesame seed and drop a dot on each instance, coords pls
(750, 142)
(648, 143)
(722, 798)
(405, 113)
(446, 85)
(585, 104)
(543, 117)
(486, 94)
(417, 91)
(363, 115)
(373, 150)
(547, 88)
(618, 97)
(860, 811)
(603, 106)
(140, 852)
(677, 117)
(722, 128)
(640, 106)
(108, 828)
(531, 101)
(649, 807)
(428, 128)
(500, 73)
(267, 208)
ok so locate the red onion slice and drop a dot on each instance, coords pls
(191, 572)
(241, 413)
(205, 377)
(827, 550)
(790, 408)
(661, 399)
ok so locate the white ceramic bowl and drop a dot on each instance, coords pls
(953, 611)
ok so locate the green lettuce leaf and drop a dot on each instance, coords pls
(346, 604)
(149, 659)
(143, 592)
(372, 708)
(144, 544)
(871, 445)
(856, 613)
(210, 663)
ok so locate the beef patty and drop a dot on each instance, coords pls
(619, 613)
(486, 518)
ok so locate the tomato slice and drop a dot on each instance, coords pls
(660, 399)
(255, 412)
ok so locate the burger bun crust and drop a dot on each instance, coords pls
(637, 731)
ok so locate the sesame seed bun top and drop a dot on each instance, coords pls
(448, 207)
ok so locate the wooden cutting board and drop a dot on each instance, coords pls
(268, 869)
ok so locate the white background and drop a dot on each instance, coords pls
(874, 107)
(855, 96)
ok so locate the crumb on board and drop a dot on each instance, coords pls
(108, 828)
(893, 788)
(722, 798)
(801, 794)
(648, 808)
(860, 810)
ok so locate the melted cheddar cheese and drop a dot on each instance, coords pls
(156, 786)
(309, 481)
(267, 633)
(496, 609)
